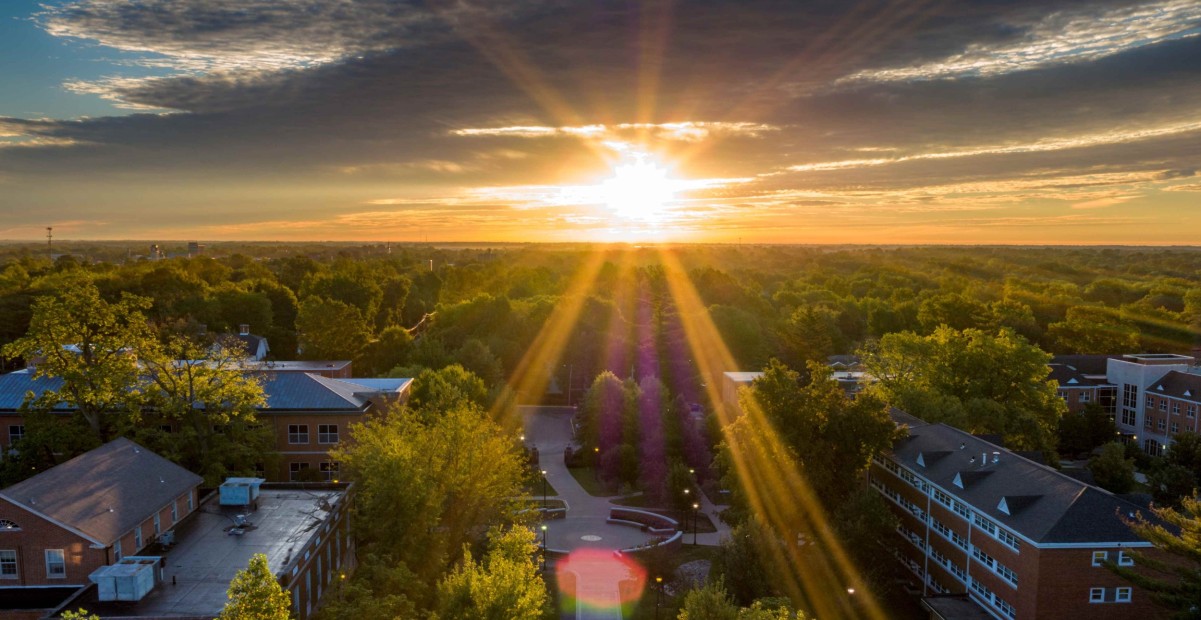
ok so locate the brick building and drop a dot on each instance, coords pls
(62, 524)
(1018, 539)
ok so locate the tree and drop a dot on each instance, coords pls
(978, 381)
(91, 345)
(1093, 330)
(428, 484)
(1112, 470)
(1174, 581)
(330, 329)
(506, 585)
(255, 594)
(709, 602)
(205, 391)
(448, 388)
(1082, 432)
(81, 614)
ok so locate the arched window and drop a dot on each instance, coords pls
(9, 526)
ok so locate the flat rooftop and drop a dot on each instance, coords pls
(206, 556)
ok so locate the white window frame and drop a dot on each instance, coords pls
(17, 436)
(61, 562)
(1084, 397)
(294, 437)
(158, 525)
(294, 470)
(323, 437)
(1124, 559)
(1123, 594)
(1096, 595)
(174, 512)
(8, 557)
(1099, 557)
(191, 504)
(117, 555)
(137, 537)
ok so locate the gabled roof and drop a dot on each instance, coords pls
(1045, 505)
(1068, 377)
(1183, 385)
(15, 385)
(103, 493)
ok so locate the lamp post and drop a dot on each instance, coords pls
(544, 488)
(596, 463)
(695, 508)
(658, 595)
(570, 368)
(544, 547)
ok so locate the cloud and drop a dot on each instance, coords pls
(686, 131)
(1187, 187)
(1057, 38)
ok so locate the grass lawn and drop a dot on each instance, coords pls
(586, 476)
(533, 487)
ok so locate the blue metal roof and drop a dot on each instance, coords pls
(15, 385)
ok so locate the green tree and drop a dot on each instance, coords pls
(80, 614)
(448, 388)
(979, 381)
(709, 602)
(1112, 470)
(1081, 432)
(205, 391)
(255, 594)
(506, 585)
(331, 329)
(428, 484)
(1093, 330)
(1173, 581)
(92, 345)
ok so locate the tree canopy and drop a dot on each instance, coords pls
(255, 594)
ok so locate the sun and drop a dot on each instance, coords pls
(640, 190)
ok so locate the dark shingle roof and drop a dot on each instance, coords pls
(1068, 377)
(1097, 365)
(1050, 507)
(105, 492)
(1178, 384)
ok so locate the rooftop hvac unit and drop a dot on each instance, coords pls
(128, 580)
(240, 491)
(167, 538)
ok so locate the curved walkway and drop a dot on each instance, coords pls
(549, 429)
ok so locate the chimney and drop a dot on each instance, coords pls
(983, 459)
(244, 329)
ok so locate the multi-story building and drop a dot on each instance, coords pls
(1080, 383)
(309, 410)
(1154, 392)
(1018, 539)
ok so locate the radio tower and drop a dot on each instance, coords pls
(50, 241)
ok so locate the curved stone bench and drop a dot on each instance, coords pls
(675, 541)
(655, 523)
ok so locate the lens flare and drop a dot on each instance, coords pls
(599, 582)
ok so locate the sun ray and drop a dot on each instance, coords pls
(778, 494)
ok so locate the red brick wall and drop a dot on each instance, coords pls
(35, 536)
(1067, 596)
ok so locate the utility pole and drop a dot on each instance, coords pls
(49, 242)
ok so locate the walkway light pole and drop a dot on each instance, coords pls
(695, 512)
(658, 595)
(544, 547)
(544, 488)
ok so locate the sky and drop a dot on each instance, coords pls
(825, 121)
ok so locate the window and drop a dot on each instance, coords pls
(294, 470)
(1099, 557)
(174, 512)
(1084, 397)
(117, 551)
(329, 471)
(1096, 595)
(298, 433)
(190, 505)
(1063, 395)
(137, 537)
(1150, 400)
(1129, 395)
(1161, 424)
(1128, 417)
(1124, 559)
(1175, 408)
(56, 564)
(1175, 428)
(1163, 404)
(1191, 411)
(9, 526)
(1122, 595)
(327, 433)
(16, 432)
(8, 564)
(158, 527)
